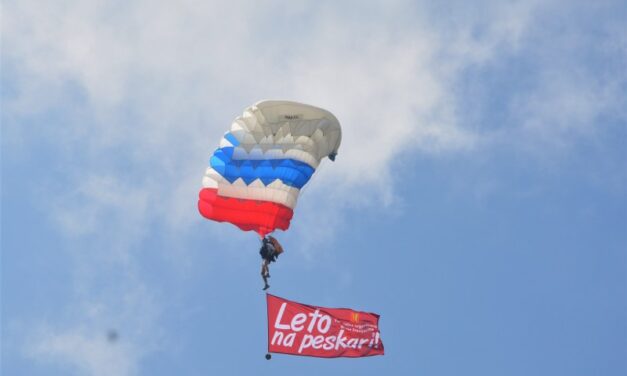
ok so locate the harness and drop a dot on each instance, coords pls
(268, 252)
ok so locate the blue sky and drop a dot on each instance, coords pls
(478, 202)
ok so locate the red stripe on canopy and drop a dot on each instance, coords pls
(262, 217)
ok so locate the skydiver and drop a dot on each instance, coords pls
(270, 251)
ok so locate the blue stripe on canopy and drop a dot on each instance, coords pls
(229, 136)
(291, 172)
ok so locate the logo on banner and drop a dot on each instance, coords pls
(355, 317)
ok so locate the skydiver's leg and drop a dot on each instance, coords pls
(264, 274)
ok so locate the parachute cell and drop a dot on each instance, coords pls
(271, 151)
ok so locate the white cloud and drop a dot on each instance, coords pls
(107, 332)
(86, 352)
(161, 82)
(96, 199)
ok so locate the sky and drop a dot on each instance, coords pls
(478, 201)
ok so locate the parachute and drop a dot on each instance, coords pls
(255, 176)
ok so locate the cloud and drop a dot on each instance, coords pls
(87, 352)
(95, 200)
(108, 330)
(148, 86)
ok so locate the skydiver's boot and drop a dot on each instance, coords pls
(265, 282)
(267, 286)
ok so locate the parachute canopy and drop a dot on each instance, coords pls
(272, 150)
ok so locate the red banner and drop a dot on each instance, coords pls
(301, 329)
